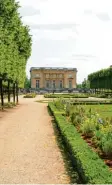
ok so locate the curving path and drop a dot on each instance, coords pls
(28, 150)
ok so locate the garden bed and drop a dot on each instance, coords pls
(94, 123)
(91, 168)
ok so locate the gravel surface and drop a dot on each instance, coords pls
(28, 149)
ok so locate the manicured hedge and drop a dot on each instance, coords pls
(101, 79)
(92, 103)
(91, 168)
(66, 96)
(33, 95)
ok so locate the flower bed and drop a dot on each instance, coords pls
(91, 168)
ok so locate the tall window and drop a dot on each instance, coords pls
(60, 84)
(70, 84)
(54, 85)
(70, 76)
(47, 84)
(37, 84)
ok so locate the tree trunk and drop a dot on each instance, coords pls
(1, 91)
(14, 92)
(8, 91)
(17, 93)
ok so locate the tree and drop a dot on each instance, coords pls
(79, 85)
(101, 79)
(85, 84)
(15, 45)
(27, 83)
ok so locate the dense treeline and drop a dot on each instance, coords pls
(101, 79)
(15, 45)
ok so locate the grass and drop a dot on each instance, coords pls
(103, 110)
(43, 101)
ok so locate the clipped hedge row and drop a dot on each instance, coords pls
(53, 109)
(90, 167)
(92, 103)
(66, 96)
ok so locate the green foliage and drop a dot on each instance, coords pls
(101, 79)
(30, 95)
(58, 103)
(8, 105)
(55, 109)
(91, 168)
(27, 83)
(79, 85)
(86, 84)
(77, 95)
(91, 125)
(15, 42)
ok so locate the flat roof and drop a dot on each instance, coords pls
(54, 68)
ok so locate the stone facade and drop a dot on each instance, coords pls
(53, 78)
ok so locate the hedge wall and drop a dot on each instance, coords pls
(101, 79)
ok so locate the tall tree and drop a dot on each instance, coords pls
(15, 43)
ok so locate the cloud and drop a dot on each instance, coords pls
(69, 33)
(103, 16)
(88, 12)
(28, 11)
(83, 55)
(53, 26)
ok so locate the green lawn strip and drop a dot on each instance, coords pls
(91, 168)
(42, 101)
(103, 110)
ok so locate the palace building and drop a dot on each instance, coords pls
(53, 78)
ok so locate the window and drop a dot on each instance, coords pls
(70, 84)
(47, 75)
(37, 83)
(54, 75)
(60, 75)
(54, 84)
(47, 84)
(60, 84)
(37, 75)
(70, 75)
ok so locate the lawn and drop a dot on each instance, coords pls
(103, 110)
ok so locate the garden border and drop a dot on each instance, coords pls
(91, 168)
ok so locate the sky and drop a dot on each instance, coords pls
(69, 33)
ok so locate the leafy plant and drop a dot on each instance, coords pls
(31, 95)
(15, 42)
(91, 168)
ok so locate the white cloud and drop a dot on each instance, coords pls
(70, 33)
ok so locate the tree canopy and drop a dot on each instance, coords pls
(101, 79)
(15, 43)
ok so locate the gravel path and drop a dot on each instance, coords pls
(28, 150)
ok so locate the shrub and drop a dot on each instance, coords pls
(31, 95)
(59, 104)
(106, 140)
